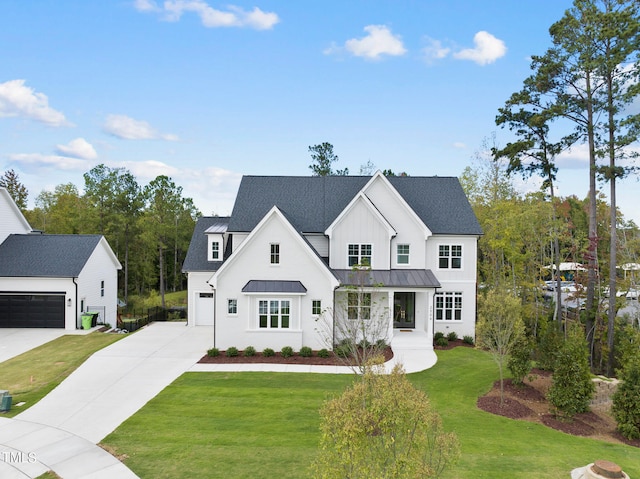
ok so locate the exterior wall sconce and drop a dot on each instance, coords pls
(69, 302)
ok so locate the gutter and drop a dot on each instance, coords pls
(77, 316)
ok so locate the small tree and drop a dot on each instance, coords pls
(322, 157)
(499, 327)
(626, 400)
(519, 362)
(572, 388)
(357, 329)
(383, 427)
(15, 188)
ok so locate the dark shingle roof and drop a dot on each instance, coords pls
(313, 202)
(197, 254)
(51, 256)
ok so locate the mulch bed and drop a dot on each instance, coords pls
(277, 358)
(528, 403)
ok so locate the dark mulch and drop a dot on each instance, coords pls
(509, 407)
(277, 358)
(453, 344)
(528, 402)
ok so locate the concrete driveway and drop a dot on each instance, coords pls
(118, 380)
(15, 341)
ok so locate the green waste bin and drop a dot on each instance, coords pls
(86, 320)
(5, 404)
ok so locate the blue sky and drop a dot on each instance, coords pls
(205, 91)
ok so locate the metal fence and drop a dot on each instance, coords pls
(135, 318)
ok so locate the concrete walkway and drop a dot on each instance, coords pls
(61, 431)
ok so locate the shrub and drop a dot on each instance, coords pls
(381, 344)
(342, 350)
(286, 352)
(213, 352)
(519, 362)
(452, 336)
(268, 352)
(548, 347)
(442, 342)
(468, 340)
(232, 352)
(571, 388)
(323, 353)
(249, 351)
(626, 400)
(306, 352)
(438, 335)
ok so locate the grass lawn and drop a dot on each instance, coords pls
(30, 376)
(265, 425)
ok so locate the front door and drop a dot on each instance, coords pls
(404, 310)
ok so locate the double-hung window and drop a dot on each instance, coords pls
(102, 289)
(450, 256)
(215, 250)
(359, 306)
(449, 306)
(403, 254)
(359, 254)
(274, 313)
(316, 307)
(232, 306)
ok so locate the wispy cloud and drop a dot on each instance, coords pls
(232, 16)
(18, 100)
(36, 161)
(379, 41)
(78, 148)
(487, 49)
(122, 126)
(434, 50)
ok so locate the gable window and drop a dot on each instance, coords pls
(448, 306)
(403, 254)
(359, 306)
(102, 288)
(316, 307)
(232, 306)
(359, 255)
(450, 256)
(215, 250)
(274, 313)
(275, 253)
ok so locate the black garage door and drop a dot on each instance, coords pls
(31, 310)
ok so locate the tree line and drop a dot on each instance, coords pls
(148, 227)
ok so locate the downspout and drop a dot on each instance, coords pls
(78, 326)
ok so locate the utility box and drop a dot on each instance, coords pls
(5, 401)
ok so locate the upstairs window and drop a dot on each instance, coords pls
(450, 256)
(275, 253)
(232, 306)
(215, 250)
(359, 255)
(102, 289)
(403, 254)
(316, 307)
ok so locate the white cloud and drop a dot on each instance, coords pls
(127, 128)
(487, 49)
(78, 148)
(210, 17)
(434, 50)
(379, 41)
(459, 145)
(36, 161)
(18, 100)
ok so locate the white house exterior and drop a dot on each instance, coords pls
(48, 281)
(292, 246)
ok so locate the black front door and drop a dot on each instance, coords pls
(404, 310)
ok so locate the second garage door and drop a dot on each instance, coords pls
(32, 310)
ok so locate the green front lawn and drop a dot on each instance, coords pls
(30, 376)
(265, 425)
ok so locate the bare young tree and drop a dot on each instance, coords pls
(357, 328)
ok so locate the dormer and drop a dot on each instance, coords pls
(216, 241)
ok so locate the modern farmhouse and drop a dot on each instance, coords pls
(295, 248)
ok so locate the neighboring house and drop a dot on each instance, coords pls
(292, 246)
(48, 281)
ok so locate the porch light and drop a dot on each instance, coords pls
(69, 302)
